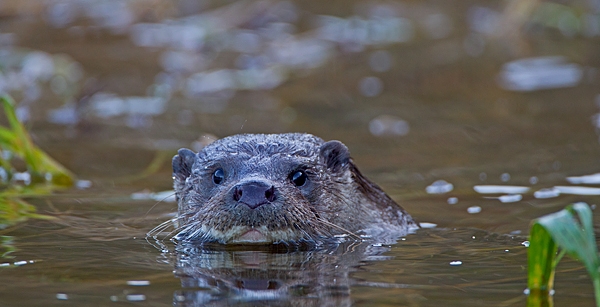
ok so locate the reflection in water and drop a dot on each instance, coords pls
(439, 187)
(387, 125)
(546, 193)
(429, 64)
(587, 179)
(221, 276)
(539, 73)
(492, 189)
(575, 190)
(511, 198)
(474, 209)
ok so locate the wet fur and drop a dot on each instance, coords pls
(336, 201)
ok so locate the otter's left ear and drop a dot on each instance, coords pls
(336, 155)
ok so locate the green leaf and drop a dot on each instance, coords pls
(572, 231)
(17, 141)
(574, 236)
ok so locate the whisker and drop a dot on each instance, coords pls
(154, 232)
(346, 231)
(158, 202)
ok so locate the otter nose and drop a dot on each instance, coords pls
(254, 194)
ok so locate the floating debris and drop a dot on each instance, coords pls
(62, 296)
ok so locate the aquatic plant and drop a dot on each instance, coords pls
(42, 174)
(572, 231)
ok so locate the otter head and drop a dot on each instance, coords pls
(262, 189)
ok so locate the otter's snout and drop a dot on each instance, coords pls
(254, 194)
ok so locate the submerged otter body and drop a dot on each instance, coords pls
(279, 188)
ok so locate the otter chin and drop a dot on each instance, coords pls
(279, 188)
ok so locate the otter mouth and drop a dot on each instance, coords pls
(251, 236)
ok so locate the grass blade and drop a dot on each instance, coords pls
(541, 261)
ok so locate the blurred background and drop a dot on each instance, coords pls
(438, 101)
(469, 92)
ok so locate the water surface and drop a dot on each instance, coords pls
(419, 92)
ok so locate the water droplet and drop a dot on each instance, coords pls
(452, 200)
(505, 177)
(455, 262)
(525, 243)
(482, 176)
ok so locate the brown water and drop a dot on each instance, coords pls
(417, 99)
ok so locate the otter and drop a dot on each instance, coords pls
(279, 188)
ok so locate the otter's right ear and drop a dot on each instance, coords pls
(182, 164)
(336, 155)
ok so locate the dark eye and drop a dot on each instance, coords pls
(218, 176)
(299, 178)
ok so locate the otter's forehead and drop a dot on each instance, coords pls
(263, 145)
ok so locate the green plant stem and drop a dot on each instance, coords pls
(597, 291)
